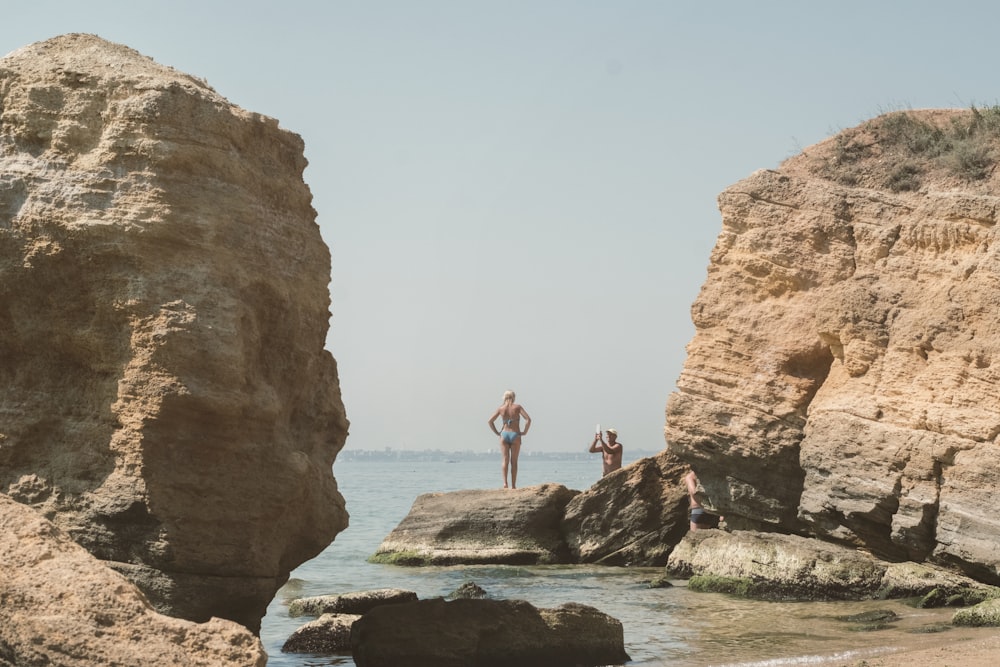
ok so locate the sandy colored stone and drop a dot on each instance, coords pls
(842, 379)
(501, 526)
(61, 606)
(167, 398)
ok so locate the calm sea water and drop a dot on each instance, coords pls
(663, 626)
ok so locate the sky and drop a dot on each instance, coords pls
(521, 194)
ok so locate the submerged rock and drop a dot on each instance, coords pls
(873, 616)
(486, 633)
(870, 621)
(930, 629)
(469, 591)
(513, 527)
(167, 397)
(662, 581)
(951, 596)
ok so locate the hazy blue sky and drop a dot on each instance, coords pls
(522, 194)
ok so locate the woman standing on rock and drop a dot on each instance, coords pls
(510, 434)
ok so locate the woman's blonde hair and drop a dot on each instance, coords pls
(508, 396)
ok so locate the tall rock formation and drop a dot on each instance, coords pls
(841, 382)
(165, 394)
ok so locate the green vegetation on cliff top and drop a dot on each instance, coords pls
(901, 150)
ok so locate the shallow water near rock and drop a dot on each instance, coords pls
(663, 626)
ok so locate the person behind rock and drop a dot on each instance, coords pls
(510, 434)
(700, 518)
(612, 450)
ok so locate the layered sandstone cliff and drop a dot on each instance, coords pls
(165, 394)
(841, 382)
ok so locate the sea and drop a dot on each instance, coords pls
(663, 626)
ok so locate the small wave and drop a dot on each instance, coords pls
(815, 659)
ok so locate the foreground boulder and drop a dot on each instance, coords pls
(770, 566)
(843, 378)
(501, 526)
(486, 633)
(167, 397)
(633, 516)
(60, 606)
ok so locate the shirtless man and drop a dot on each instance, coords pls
(700, 519)
(510, 434)
(612, 450)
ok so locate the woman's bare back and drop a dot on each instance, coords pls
(511, 415)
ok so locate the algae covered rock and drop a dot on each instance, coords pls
(771, 566)
(983, 614)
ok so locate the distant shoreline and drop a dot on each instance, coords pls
(389, 453)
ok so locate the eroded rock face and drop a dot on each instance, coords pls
(843, 379)
(633, 516)
(166, 394)
(61, 606)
